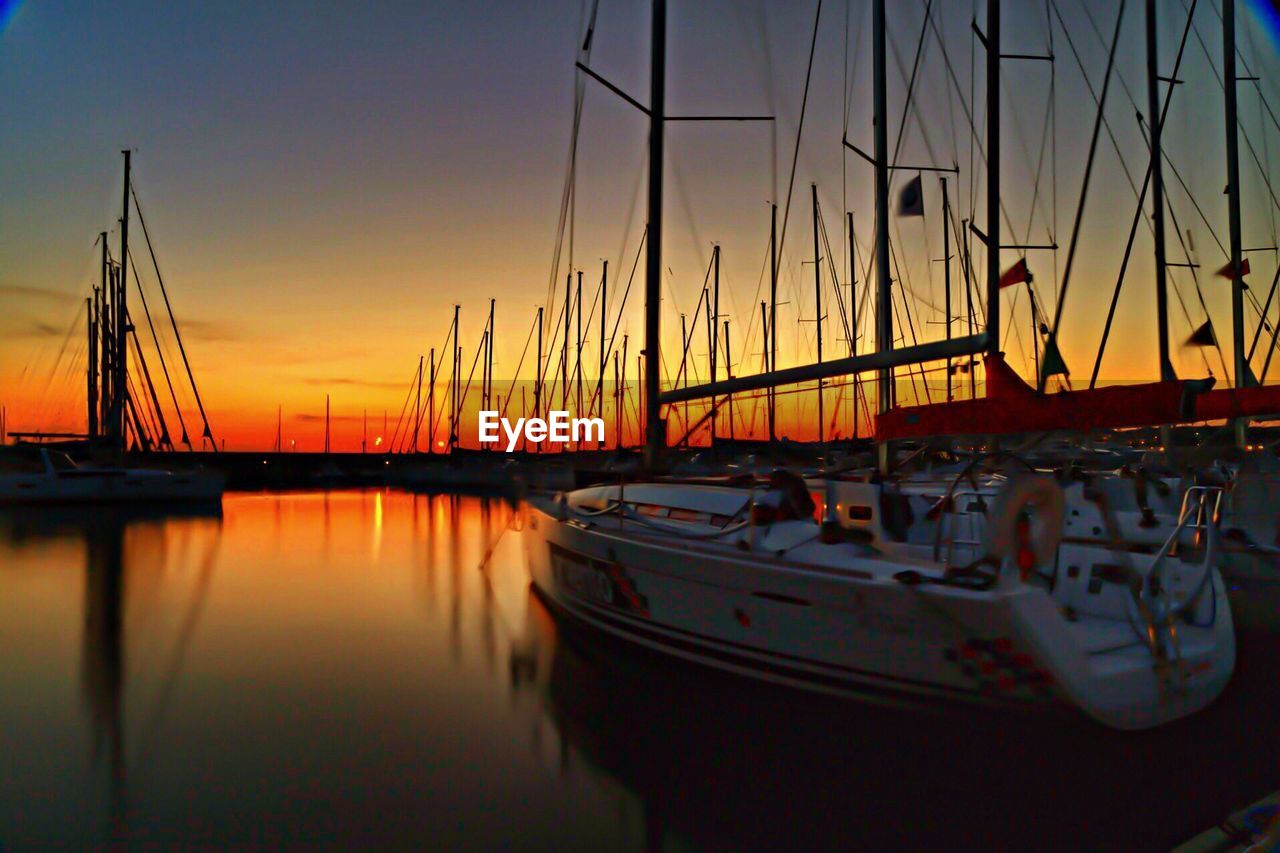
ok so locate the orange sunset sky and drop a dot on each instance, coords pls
(323, 182)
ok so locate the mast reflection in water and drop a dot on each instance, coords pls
(339, 667)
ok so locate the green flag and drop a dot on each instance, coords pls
(1052, 364)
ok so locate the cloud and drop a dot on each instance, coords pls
(37, 292)
(349, 381)
(308, 418)
(209, 331)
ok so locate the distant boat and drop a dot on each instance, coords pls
(39, 475)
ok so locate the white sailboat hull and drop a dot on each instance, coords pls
(817, 619)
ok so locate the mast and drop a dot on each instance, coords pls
(884, 294)
(604, 293)
(431, 406)
(817, 294)
(684, 364)
(993, 177)
(624, 372)
(564, 350)
(655, 439)
(488, 396)
(454, 379)
(417, 407)
(617, 406)
(764, 356)
(122, 322)
(853, 314)
(946, 272)
(714, 329)
(537, 379)
(771, 346)
(1243, 378)
(91, 374)
(577, 358)
(326, 423)
(1157, 194)
(104, 324)
(728, 372)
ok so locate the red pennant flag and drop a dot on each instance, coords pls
(1226, 271)
(1016, 274)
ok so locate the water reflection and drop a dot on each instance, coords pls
(371, 667)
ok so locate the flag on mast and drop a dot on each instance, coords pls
(911, 200)
(1016, 274)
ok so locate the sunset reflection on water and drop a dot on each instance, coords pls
(340, 667)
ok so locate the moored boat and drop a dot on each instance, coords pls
(744, 580)
(39, 475)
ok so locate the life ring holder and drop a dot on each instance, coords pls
(1029, 539)
(967, 471)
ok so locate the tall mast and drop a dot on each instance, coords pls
(655, 439)
(454, 379)
(884, 294)
(817, 295)
(853, 315)
(577, 358)
(431, 406)
(564, 350)
(946, 273)
(728, 372)
(993, 176)
(1157, 193)
(764, 355)
(121, 319)
(91, 374)
(684, 365)
(104, 324)
(1243, 378)
(604, 294)
(772, 343)
(714, 329)
(488, 397)
(537, 375)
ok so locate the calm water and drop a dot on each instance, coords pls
(338, 668)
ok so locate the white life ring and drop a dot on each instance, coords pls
(1024, 522)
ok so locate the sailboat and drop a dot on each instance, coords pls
(975, 586)
(35, 474)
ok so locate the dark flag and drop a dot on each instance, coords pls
(1203, 336)
(1053, 364)
(1226, 271)
(911, 200)
(1016, 274)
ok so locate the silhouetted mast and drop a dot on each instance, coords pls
(120, 392)
(884, 295)
(817, 295)
(1157, 194)
(772, 340)
(655, 439)
(1243, 377)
